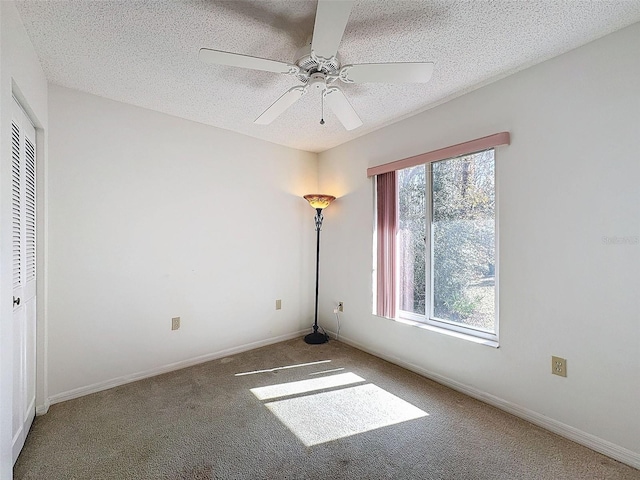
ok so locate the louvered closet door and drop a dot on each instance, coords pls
(23, 177)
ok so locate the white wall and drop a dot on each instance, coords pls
(20, 75)
(569, 179)
(153, 217)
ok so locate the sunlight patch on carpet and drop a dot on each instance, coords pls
(326, 416)
(304, 386)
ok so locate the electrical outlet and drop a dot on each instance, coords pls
(278, 304)
(559, 366)
(175, 323)
(340, 306)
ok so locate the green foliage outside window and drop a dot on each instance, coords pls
(463, 233)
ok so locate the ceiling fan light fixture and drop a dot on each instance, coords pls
(318, 81)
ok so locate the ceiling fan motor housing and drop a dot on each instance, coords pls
(310, 64)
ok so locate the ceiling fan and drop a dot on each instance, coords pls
(317, 67)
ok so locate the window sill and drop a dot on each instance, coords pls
(444, 331)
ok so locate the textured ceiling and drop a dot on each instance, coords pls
(146, 53)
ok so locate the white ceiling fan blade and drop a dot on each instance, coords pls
(339, 105)
(418, 72)
(290, 97)
(218, 57)
(331, 20)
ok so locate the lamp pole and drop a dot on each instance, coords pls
(315, 337)
(318, 202)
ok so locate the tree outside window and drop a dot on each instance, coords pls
(446, 239)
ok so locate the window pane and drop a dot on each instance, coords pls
(411, 239)
(463, 229)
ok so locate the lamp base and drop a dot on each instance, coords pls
(316, 338)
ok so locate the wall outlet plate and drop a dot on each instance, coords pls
(175, 323)
(559, 366)
(278, 304)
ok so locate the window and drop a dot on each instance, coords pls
(445, 244)
(436, 239)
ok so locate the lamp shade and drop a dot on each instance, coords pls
(319, 200)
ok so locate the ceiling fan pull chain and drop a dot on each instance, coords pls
(322, 119)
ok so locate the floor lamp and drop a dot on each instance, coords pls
(318, 202)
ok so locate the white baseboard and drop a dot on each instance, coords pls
(588, 440)
(42, 409)
(116, 382)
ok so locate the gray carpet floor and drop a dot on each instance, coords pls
(350, 416)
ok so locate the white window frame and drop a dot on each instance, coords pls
(439, 324)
